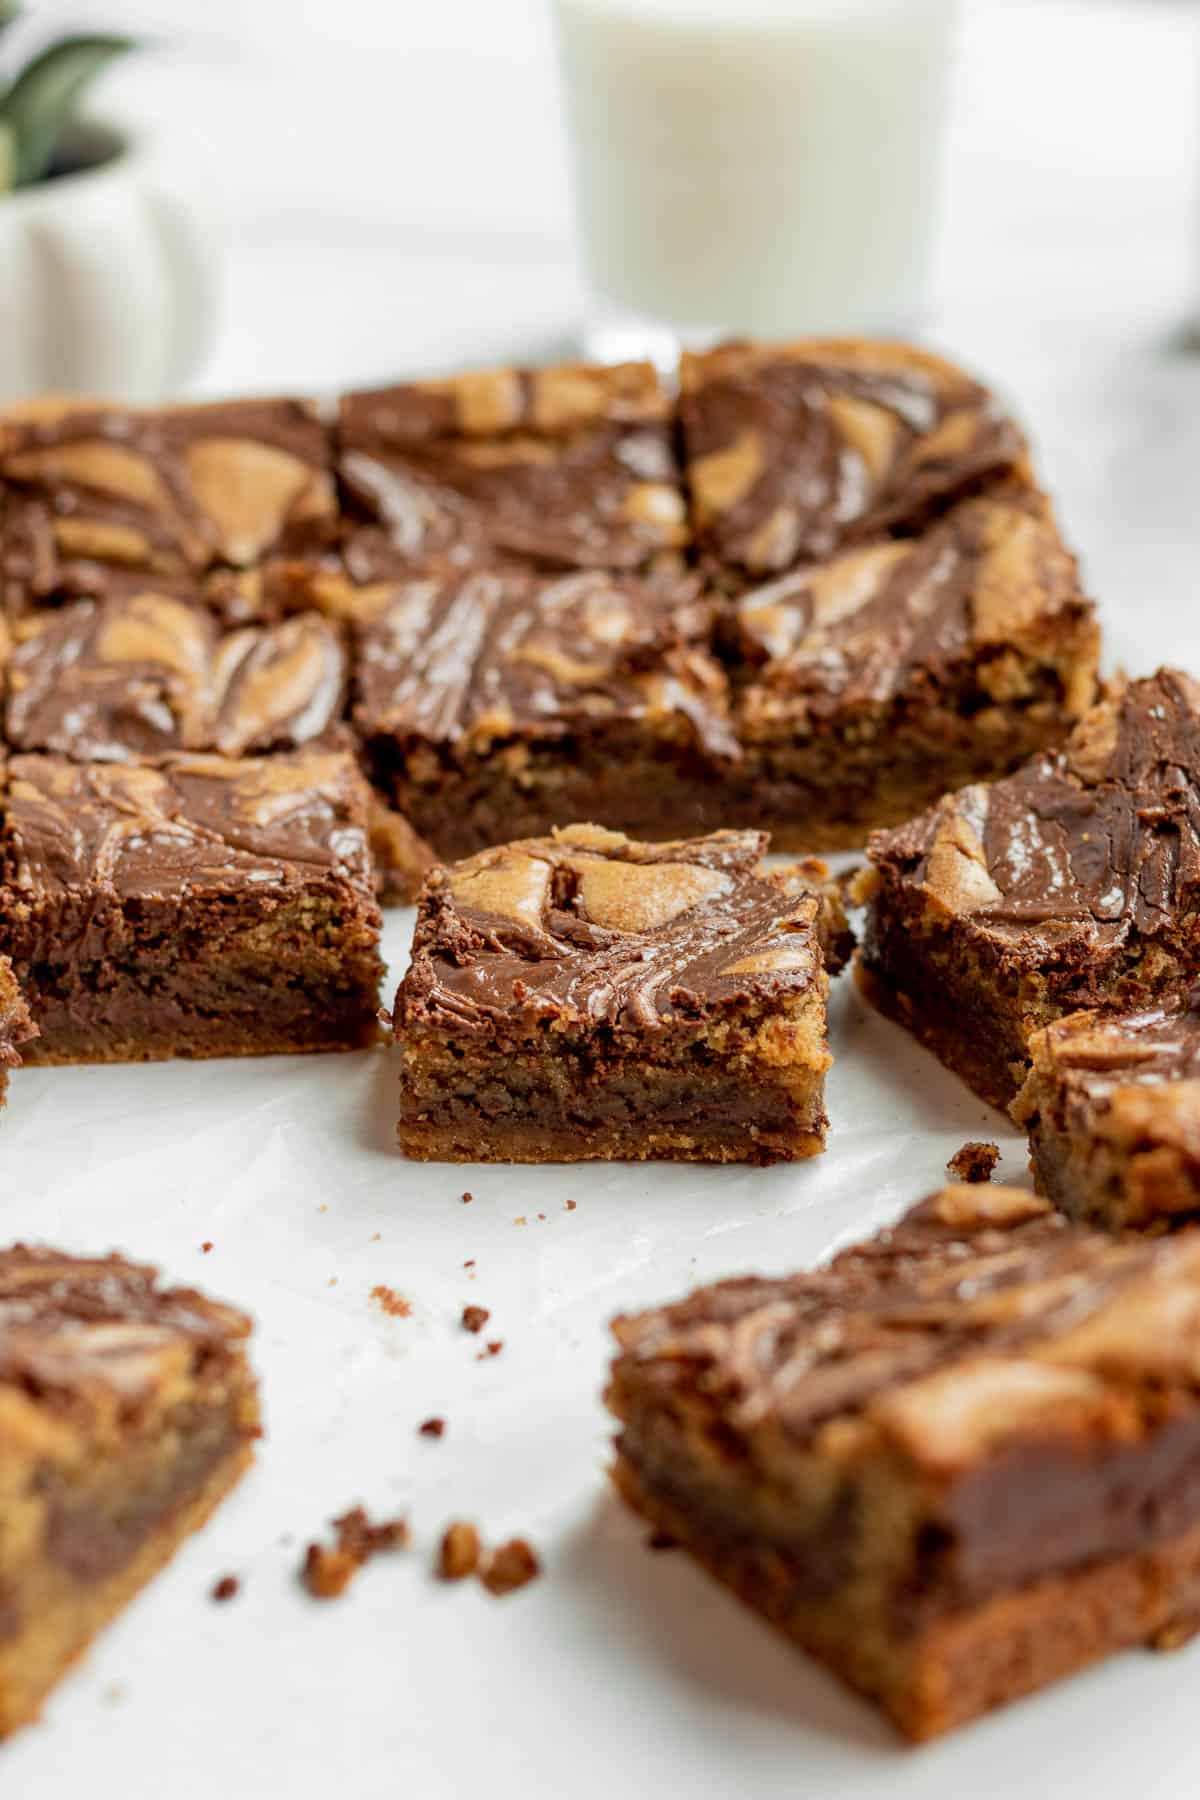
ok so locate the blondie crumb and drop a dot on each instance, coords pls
(474, 1318)
(327, 1573)
(390, 1302)
(510, 1567)
(973, 1162)
(226, 1588)
(459, 1551)
(433, 1428)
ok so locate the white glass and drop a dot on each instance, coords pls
(758, 166)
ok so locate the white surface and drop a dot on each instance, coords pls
(352, 251)
(770, 168)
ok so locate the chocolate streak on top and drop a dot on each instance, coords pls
(1035, 1382)
(193, 824)
(562, 467)
(1079, 852)
(147, 673)
(463, 663)
(794, 452)
(589, 928)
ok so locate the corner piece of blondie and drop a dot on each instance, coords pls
(956, 1465)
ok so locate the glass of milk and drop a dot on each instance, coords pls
(766, 167)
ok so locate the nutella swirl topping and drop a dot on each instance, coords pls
(465, 662)
(191, 822)
(982, 1319)
(794, 452)
(562, 467)
(591, 926)
(129, 677)
(1084, 847)
(83, 1328)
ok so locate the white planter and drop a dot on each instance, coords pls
(107, 284)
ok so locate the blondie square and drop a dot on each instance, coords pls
(1072, 884)
(794, 452)
(1112, 1108)
(200, 907)
(959, 1463)
(127, 1412)
(496, 705)
(585, 996)
(873, 682)
(89, 491)
(556, 468)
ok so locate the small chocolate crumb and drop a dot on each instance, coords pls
(205, 1247)
(571, 1205)
(661, 1540)
(432, 1427)
(226, 1588)
(326, 1573)
(491, 1349)
(510, 1567)
(474, 1318)
(974, 1162)
(542, 1216)
(458, 1554)
(390, 1302)
(467, 1199)
(470, 1263)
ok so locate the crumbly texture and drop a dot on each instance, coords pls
(328, 1571)
(867, 685)
(973, 1161)
(1073, 884)
(500, 705)
(16, 1027)
(793, 452)
(144, 673)
(127, 1411)
(558, 468)
(92, 492)
(958, 1464)
(587, 996)
(203, 907)
(512, 1565)
(459, 1551)
(1112, 1108)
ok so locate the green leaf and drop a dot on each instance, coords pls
(42, 98)
(9, 10)
(8, 158)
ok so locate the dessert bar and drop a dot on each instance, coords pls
(1112, 1108)
(16, 1027)
(794, 452)
(200, 907)
(143, 673)
(556, 468)
(1074, 883)
(959, 1463)
(873, 682)
(498, 705)
(89, 491)
(586, 996)
(127, 1412)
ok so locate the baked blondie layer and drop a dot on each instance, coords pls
(16, 1027)
(88, 492)
(585, 996)
(794, 452)
(497, 705)
(1072, 884)
(142, 673)
(127, 1412)
(958, 1464)
(200, 907)
(873, 682)
(1112, 1108)
(564, 467)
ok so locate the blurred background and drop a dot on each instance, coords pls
(385, 186)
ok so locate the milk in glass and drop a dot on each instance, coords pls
(766, 166)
